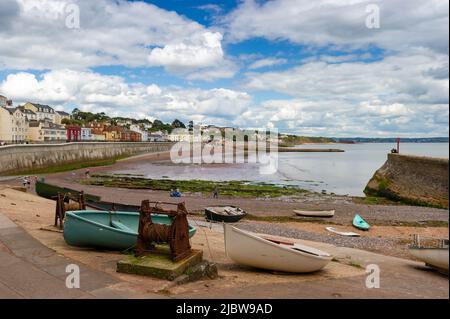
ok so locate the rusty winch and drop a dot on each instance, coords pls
(176, 234)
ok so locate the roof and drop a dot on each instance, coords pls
(46, 108)
(26, 111)
(10, 110)
(62, 113)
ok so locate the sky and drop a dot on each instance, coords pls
(368, 68)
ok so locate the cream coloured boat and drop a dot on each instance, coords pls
(435, 256)
(314, 213)
(263, 252)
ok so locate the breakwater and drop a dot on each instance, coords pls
(412, 179)
(17, 158)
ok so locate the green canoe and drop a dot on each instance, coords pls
(111, 231)
(360, 223)
(50, 191)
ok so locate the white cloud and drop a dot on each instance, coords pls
(403, 94)
(202, 50)
(111, 94)
(404, 24)
(134, 34)
(396, 79)
(266, 63)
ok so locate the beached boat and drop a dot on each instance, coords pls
(108, 206)
(106, 230)
(227, 214)
(261, 251)
(342, 233)
(51, 191)
(314, 213)
(360, 223)
(435, 257)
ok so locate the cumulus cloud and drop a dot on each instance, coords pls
(91, 91)
(133, 34)
(402, 93)
(396, 79)
(403, 24)
(201, 50)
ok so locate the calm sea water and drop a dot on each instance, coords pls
(340, 173)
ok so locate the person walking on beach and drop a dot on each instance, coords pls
(87, 174)
(216, 192)
(24, 181)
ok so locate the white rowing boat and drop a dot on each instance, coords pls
(263, 252)
(342, 233)
(314, 213)
(436, 257)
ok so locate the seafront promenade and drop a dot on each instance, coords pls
(29, 269)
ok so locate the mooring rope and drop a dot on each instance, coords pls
(207, 241)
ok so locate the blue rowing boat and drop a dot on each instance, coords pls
(360, 223)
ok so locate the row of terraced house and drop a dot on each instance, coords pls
(37, 123)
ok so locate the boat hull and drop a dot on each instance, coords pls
(51, 191)
(211, 215)
(107, 206)
(92, 229)
(435, 257)
(360, 223)
(306, 213)
(250, 250)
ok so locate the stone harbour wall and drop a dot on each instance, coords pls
(16, 158)
(412, 179)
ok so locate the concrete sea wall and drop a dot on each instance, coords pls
(16, 158)
(412, 179)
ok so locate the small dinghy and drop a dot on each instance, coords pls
(226, 214)
(314, 213)
(360, 223)
(342, 233)
(107, 230)
(263, 252)
(435, 257)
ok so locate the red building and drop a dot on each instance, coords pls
(73, 133)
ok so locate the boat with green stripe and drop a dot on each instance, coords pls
(51, 191)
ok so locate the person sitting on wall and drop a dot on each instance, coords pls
(394, 151)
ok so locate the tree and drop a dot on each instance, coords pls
(178, 124)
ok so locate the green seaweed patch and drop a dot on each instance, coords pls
(225, 188)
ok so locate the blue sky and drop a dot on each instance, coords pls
(310, 68)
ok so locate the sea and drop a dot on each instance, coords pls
(345, 173)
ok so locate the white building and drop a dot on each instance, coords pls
(139, 129)
(158, 137)
(43, 112)
(86, 134)
(29, 114)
